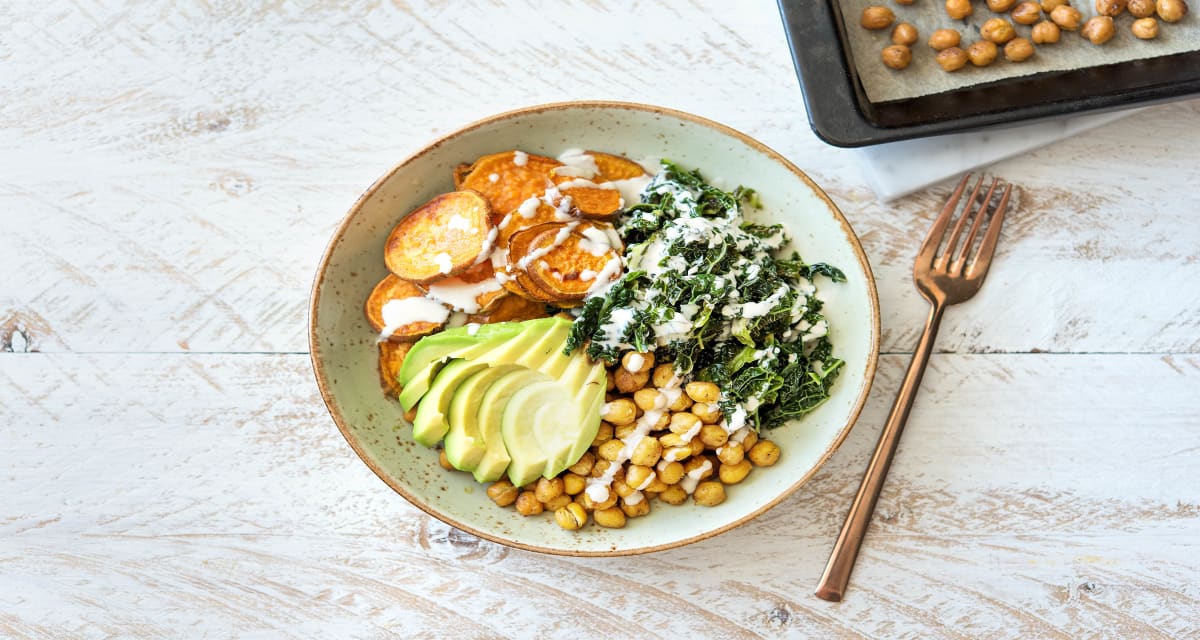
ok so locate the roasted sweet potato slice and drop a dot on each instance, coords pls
(521, 253)
(525, 217)
(442, 237)
(616, 167)
(507, 179)
(509, 308)
(592, 201)
(418, 317)
(391, 356)
(571, 266)
(459, 173)
(475, 290)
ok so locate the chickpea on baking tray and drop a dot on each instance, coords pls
(1145, 28)
(1045, 32)
(1171, 10)
(1098, 29)
(1026, 13)
(1018, 50)
(982, 53)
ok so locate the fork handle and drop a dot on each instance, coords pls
(845, 550)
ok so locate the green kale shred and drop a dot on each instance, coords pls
(710, 292)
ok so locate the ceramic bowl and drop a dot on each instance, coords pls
(343, 346)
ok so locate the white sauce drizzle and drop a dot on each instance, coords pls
(634, 362)
(462, 296)
(559, 238)
(405, 311)
(520, 158)
(445, 264)
(458, 223)
(493, 177)
(577, 163)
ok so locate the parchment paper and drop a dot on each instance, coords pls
(924, 77)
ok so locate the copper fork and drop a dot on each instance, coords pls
(944, 278)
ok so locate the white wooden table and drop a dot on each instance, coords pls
(169, 175)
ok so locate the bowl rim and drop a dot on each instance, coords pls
(335, 412)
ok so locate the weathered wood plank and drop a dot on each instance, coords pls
(1045, 495)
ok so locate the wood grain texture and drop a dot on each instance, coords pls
(170, 173)
(214, 489)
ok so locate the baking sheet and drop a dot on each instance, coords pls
(924, 77)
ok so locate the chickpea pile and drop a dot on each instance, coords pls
(687, 453)
(1047, 20)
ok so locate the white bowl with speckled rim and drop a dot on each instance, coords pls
(344, 352)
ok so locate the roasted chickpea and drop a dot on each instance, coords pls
(896, 56)
(1141, 8)
(904, 34)
(573, 483)
(675, 454)
(703, 391)
(1110, 7)
(697, 446)
(709, 494)
(656, 486)
(713, 436)
(1045, 32)
(684, 422)
(708, 413)
(1049, 5)
(600, 468)
(1066, 17)
(548, 489)
(612, 517)
(663, 375)
(944, 39)
(734, 473)
(628, 382)
(611, 450)
(952, 59)
(557, 502)
(668, 440)
(1000, 6)
(749, 440)
(646, 398)
(1018, 50)
(639, 477)
(877, 17)
(982, 53)
(673, 494)
(700, 468)
(959, 9)
(765, 453)
(1145, 28)
(624, 431)
(502, 492)
(622, 488)
(647, 452)
(571, 517)
(528, 504)
(638, 362)
(1171, 10)
(997, 30)
(671, 472)
(603, 434)
(681, 403)
(731, 453)
(1026, 13)
(619, 411)
(444, 461)
(586, 501)
(635, 509)
(1098, 29)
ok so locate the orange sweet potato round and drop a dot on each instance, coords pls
(507, 179)
(573, 265)
(595, 202)
(393, 288)
(475, 290)
(391, 356)
(510, 308)
(442, 237)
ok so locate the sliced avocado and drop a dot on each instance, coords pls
(469, 343)
(583, 384)
(491, 411)
(518, 426)
(424, 359)
(464, 442)
(544, 351)
(429, 426)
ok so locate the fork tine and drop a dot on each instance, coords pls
(934, 237)
(987, 248)
(952, 243)
(956, 267)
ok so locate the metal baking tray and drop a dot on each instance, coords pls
(841, 114)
